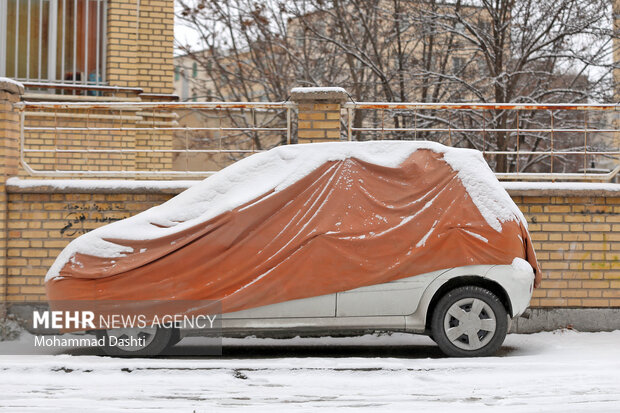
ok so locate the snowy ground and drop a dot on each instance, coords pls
(545, 372)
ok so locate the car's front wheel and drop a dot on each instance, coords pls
(469, 322)
(135, 342)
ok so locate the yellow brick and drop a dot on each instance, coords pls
(327, 107)
(32, 290)
(552, 302)
(597, 227)
(311, 115)
(554, 284)
(555, 227)
(557, 208)
(595, 302)
(326, 124)
(311, 134)
(572, 236)
(595, 284)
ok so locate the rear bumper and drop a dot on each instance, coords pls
(519, 286)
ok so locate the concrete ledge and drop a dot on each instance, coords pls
(580, 319)
(93, 186)
(19, 185)
(590, 189)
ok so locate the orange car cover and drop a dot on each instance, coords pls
(347, 224)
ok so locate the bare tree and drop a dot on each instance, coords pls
(502, 51)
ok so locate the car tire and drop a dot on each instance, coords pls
(469, 322)
(156, 340)
(174, 338)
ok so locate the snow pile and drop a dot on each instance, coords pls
(275, 170)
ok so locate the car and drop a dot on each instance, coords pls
(322, 239)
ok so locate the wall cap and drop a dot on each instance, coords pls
(95, 186)
(332, 94)
(561, 188)
(11, 86)
(111, 186)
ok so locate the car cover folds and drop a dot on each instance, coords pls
(347, 224)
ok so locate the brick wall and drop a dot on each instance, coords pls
(122, 46)
(318, 122)
(155, 46)
(42, 224)
(140, 44)
(9, 159)
(577, 239)
(318, 114)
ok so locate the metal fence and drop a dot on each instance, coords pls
(519, 141)
(139, 139)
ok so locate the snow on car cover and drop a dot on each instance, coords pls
(301, 221)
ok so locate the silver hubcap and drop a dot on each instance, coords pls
(470, 324)
(131, 339)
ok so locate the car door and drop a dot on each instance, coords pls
(400, 297)
(320, 306)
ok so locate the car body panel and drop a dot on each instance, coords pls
(400, 297)
(400, 305)
(321, 306)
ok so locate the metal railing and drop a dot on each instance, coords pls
(72, 132)
(195, 139)
(537, 137)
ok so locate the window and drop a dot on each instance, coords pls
(53, 40)
(177, 73)
(194, 69)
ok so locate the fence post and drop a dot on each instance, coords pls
(10, 93)
(318, 113)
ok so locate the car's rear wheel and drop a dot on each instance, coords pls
(135, 342)
(469, 322)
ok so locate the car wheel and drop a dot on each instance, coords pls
(175, 337)
(135, 342)
(469, 322)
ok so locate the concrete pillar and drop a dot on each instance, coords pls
(318, 113)
(10, 94)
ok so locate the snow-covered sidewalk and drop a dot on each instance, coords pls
(545, 372)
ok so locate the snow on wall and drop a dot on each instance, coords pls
(318, 89)
(98, 184)
(153, 185)
(275, 170)
(566, 186)
(12, 81)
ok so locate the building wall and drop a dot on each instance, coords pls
(577, 238)
(140, 44)
(577, 241)
(9, 161)
(155, 46)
